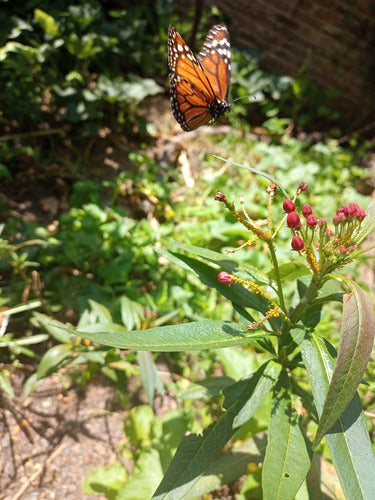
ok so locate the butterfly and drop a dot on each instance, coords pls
(199, 86)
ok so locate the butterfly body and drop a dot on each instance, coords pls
(199, 86)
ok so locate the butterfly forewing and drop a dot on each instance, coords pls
(199, 86)
(215, 60)
(182, 62)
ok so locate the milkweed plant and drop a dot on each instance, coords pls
(313, 388)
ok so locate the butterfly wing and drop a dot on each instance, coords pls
(215, 60)
(191, 93)
(189, 104)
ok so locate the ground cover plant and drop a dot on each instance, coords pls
(226, 298)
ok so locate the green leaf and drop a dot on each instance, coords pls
(11, 48)
(107, 480)
(258, 386)
(30, 385)
(236, 293)
(223, 261)
(53, 359)
(229, 466)
(138, 426)
(349, 442)
(150, 375)
(183, 337)
(57, 329)
(46, 22)
(97, 314)
(131, 92)
(5, 384)
(288, 454)
(206, 388)
(290, 271)
(146, 476)
(311, 316)
(357, 338)
(90, 357)
(237, 363)
(195, 453)
(131, 313)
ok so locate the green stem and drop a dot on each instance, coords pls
(277, 276)
(310, 295)
(296, 314)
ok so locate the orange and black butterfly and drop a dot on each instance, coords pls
(199, 86)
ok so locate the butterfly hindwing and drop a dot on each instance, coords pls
(189, 105)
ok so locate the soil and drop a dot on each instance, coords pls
(49, 442)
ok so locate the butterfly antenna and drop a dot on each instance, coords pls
(249, 97)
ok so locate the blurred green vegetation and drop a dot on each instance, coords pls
(69, 69)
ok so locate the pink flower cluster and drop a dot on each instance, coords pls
(343, 215)
(349, 212)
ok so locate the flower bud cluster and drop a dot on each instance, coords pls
(293, 221)
(324, 248)
(348, 213)
(334, 247)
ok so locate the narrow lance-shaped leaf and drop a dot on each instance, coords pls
(348, 441)
(357, 338)
(288, 454)
(195, 453)
(223, 261)
(53, 359)
(208, 275)
(229, 466)
(150, 375)
(183, 337)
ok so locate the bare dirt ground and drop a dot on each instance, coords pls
(50, 441)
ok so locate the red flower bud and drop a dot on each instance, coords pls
(225, 278)
(360, 214)
(340, 217)
(297, 243)
(302, 186)
(289, 206)
(306, 210)
(349, 210)
(322, 222)
(311, 220)
(293, 221)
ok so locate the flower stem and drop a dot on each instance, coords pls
(277, 276)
